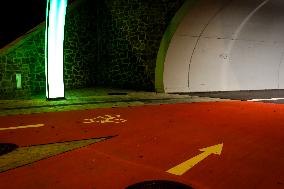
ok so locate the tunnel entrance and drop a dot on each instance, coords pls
(227, 45)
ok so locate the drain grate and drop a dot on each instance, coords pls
(7, 147)
(117, 93)
(159, 184)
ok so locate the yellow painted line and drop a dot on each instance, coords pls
(187, 165)
(22, 127)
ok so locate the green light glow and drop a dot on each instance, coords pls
(54, 37)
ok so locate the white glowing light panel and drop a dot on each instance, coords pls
(54, 37)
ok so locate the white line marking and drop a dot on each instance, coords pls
(265, 99)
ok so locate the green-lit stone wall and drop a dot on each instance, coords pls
(25, 56)
(129, 39)
(110, 43)
(80, 45)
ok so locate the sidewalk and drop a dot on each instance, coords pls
(91, 98)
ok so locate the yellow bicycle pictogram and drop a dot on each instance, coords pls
(105, 119)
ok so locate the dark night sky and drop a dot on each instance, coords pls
(19, 16)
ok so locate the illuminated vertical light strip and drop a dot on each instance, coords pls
(54, 37)
(45, 48)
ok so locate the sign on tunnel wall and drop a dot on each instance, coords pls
(227, 45)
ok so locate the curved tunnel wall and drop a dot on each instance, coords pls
(226, 45)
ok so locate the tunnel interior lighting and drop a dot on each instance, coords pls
(54, 38)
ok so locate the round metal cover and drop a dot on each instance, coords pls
(159, 184)
(7, 147)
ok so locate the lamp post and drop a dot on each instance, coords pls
(54, 38)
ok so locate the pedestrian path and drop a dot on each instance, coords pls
(92, 98)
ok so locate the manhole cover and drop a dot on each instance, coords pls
(7, 147)
(159, 184)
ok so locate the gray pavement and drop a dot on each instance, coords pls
(91, 98)
(241, 95)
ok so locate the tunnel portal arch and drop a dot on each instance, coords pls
(226, 45)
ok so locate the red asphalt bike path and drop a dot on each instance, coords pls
(154, 139)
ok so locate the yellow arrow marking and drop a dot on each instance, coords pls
(22, 127)
(187, 165)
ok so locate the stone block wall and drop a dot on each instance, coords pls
(25, 56)
(109, 43)
(80, 45)
(129, 39)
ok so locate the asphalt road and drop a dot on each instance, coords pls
(203, 145)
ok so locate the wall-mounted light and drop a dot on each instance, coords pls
(19, 81)
(54, 37)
